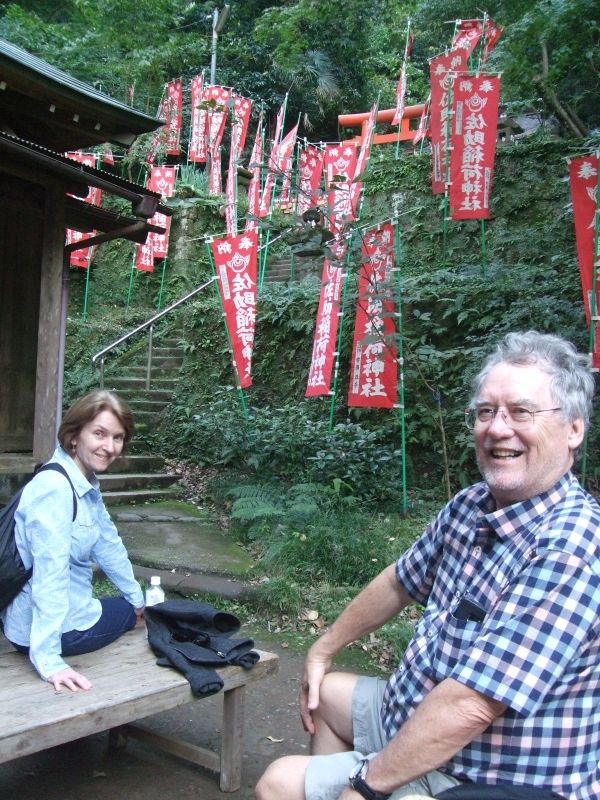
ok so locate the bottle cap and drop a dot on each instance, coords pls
(155, 580)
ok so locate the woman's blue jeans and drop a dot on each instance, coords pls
(118, 617)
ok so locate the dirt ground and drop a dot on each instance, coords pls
(87, 770)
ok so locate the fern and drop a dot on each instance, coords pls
(258, 491)
(251, 508)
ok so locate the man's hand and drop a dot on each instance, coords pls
(139, 613)
(69, 678)
(316, 666)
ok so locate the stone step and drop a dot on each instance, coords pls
(134, 383)
(139, 496)
(141, 462)
(159, 361)
(140, 370)
(113, 482)
(147, 418)
(137, 404)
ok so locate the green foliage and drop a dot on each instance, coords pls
(311, 534)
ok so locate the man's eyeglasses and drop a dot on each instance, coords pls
(515, 416)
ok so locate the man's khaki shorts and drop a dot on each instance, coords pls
(327, 776)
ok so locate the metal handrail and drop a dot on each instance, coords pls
(149, 324)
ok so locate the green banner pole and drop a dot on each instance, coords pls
(162, 284)
(446, 209)
(131, 281)
(87, 285)
(401, 395)
(403, 74)
(241, 395)
(336, 366)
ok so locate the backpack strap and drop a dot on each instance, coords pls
(58, 468)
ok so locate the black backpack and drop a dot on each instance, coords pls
(13, 575)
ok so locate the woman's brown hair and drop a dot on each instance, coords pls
(87, 409)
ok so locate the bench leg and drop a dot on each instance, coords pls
(232, 740)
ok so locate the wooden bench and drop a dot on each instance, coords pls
(127, 686)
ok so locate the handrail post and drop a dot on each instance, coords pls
(149, 365)
(102, 372)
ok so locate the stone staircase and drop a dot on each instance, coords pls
(139, 476)
(280, 269)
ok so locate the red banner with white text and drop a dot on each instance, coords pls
(235, 263)
(162, 181)
(583, 179)
(170, 110)
(197, 149)
(340, 167)
(441, 71)
(83, 258)
(374, 364)
(475, 100)
(493, 32)
(144, 256)
(310, 170)
(218, 97)
(401, 87)
(361, 163)
(255, 166)
(328, 318)
(467, 36)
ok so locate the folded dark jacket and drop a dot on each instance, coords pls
(194, 638)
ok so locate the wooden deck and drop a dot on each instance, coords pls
(127, 686)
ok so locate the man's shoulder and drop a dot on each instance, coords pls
(573, 525)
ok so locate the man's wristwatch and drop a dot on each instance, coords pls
(358, 782)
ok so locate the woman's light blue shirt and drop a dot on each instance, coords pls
(58, 597)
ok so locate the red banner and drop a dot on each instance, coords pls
(340, 167)
(265, 198)
(254, 188)
(328, 314)
(83, 258)
(280, 164)
(217, 120)
(473, 144)
(170, 133)
(361, 162)
(401, 87)
(467, 36)
(440, 69)
(197, 149)
(422, 131)
(231, 225)
(493, 32)
(235, 262)
(144, 256)
(583, 178)
(242, 109)
(310, 170)
(162, 181)
(374, 365)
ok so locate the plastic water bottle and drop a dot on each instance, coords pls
(154, 593)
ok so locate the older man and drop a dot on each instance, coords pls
(501, 681)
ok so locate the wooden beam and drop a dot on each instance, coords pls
(48, 389)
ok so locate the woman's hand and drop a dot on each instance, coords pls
(139, 613)
(69, 678)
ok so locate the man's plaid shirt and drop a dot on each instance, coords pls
(534, 568)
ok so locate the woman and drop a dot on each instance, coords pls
(55, 614)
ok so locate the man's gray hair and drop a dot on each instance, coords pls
(571, 384)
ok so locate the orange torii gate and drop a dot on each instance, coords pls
(407, 133)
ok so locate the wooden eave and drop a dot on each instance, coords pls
(41, 103)
(84, 217)
(77, 177)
